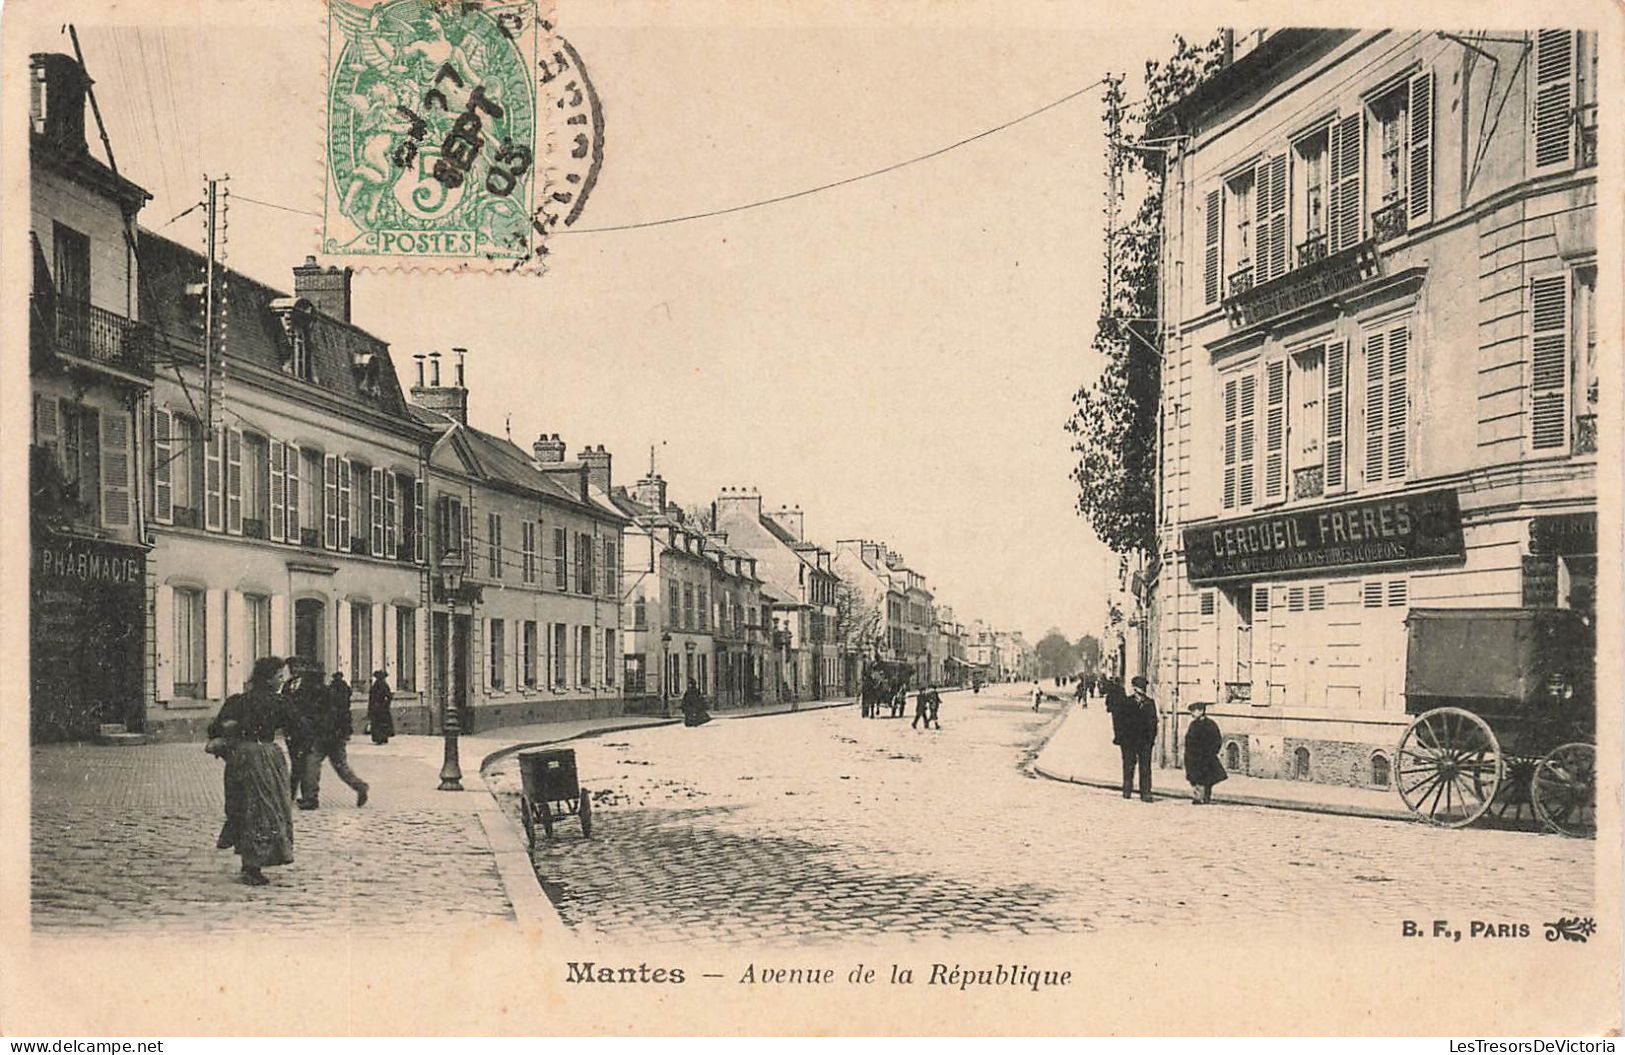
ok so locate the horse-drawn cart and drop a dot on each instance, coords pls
(1504, 701)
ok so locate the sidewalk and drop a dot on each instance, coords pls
(1080, 751)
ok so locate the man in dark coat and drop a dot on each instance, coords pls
(380, 720)
(332, 731)
(1134, 722)
(1202, 766)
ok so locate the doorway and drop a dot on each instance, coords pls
(462, 628)
(309, 639)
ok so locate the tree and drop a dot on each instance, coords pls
(1114, 420)
(857, 620)
(1089, 653)
(1055, 655)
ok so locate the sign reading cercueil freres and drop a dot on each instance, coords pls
(1391, 530)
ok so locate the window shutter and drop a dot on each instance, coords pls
(330, 501)
(1549, 299)
(420, 528)
(375, 502)
(1211, 256)
(47, 423)
(279, 491)
(1554, 98)
(115, 441)
(392, 510)
(212, 516)
(1346, 218)
(163, 612)
(234, 481)
(345, 527)
(1376, 362)
(1420, 194)
(1269, 196)
(1275, 430)
(1245, 424)
(293, 526)
(1336, 414)
(1230, 444)
(1399, 344)
(163, 490)
(489, 655)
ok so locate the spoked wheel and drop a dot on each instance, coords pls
(1564, 790)
(544, 812)
(1448, 767)
(1515, 786)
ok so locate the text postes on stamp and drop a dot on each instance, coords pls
(434, 147)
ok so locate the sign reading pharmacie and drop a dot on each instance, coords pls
(66, 561)
(1384, 532)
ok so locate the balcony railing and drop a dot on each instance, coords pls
(1585, 434)
(97, 335)
(1308, 482)
(1389, 222)
(1312, 250)
(1303, 285)
(1240, 280)
(1588, 144)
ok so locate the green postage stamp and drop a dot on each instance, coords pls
(435, 151)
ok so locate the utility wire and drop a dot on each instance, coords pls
(274, 205)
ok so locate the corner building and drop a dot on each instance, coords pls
(1380, 381)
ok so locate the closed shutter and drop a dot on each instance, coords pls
(419, 528)
(1230, 407)
(279, 491)
(163, 612)
(1376, 369)
(375, 502)
(1246, 427)
(392, 512)
(330, 501)
(1346, 218)
(486, 666)
(163, 490)
(1549, 300)
(47, 423)
(467, 536)
(294, 525)
(236, 641)
(115, 441)
(345, 637)
(1275, 430)
(1554, 98)
(1399, 418)
(1420, 162)
(1336, 415)
(234, 480)
(1269, 190)
(214, 644)
(1211, 251)
(213, 517)
(279, 624)
(345, 527)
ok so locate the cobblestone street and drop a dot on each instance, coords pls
(825, 826)
(123, 839)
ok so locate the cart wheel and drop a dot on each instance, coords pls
(586, 815)
(1448, 767)
(545, 812)
(1564, 790)
(529, 822)
(1516, 781)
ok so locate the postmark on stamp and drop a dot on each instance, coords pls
(435, 138)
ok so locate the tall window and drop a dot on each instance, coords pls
(1585, 359)
(82, 457)
(584, 656)
(189, 650)
(640, 613)
(70, 250)
(493, 545)
(310, 497)
(612, 570)
(1238, 242)
(406, 649)
(561, 561)
(528, 653)
(1390, 137)
(674, 605)
(1387, 402)
(256, 482)
(449, 524)
(560, 643)
(360, 507)
(1311, 177)
(360, 642)
(688, 606)
(257, 624)
(612, 658)
(1240, 435)
(499, 630)
(186, 471)
(527, 550)
(584, 567)
(702, 602)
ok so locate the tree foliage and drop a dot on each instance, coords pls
(1056, 655)
(1089, 653)
(857, 620)
(1114, 420)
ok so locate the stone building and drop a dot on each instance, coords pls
(1381, 373)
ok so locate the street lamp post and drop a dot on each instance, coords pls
(451, 770)
(665, 674)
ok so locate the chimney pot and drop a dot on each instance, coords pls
(328, 289)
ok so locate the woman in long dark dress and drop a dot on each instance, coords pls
(380, 722)
(259, 808)
(1202, 766)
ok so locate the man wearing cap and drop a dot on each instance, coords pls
(1135, 735)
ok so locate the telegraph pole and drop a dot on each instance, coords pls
(215, 203)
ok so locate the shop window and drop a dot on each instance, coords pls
(190, 649)
(1381, 771)
(1300, 764)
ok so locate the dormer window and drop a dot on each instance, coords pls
(300, 360)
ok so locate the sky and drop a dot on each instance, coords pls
(896, 356)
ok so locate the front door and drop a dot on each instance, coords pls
(307, 631)
(461, 634)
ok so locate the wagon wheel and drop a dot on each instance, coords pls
(586, 815)
(1564, 789)
(1515, 784)
(529, 821)
(1448, 767)
(544, 811)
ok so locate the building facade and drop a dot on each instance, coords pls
(1381, 378)
(91, 360)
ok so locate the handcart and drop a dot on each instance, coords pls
(551, 792)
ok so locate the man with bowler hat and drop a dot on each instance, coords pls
(1136, 733)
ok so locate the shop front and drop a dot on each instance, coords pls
(87, 636)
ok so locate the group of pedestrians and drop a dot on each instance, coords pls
(1135, 723)
(261, 783)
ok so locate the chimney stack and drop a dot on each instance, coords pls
(790, 519)
(57, 99)
(597, 461)
(549, 450)
(327, 288)
(651, 491)
(452, 402)
(457, 377)
(741, 502)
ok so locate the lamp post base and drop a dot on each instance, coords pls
(451, 771)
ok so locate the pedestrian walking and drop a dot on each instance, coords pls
(1202, 766)
(1134, 722)
(303, 693)
(922, 709)
(936, 705)
(1081, 693)
(259, 810)
(380, 720)
(1038, 695)
(694, 712)
(330, 742)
